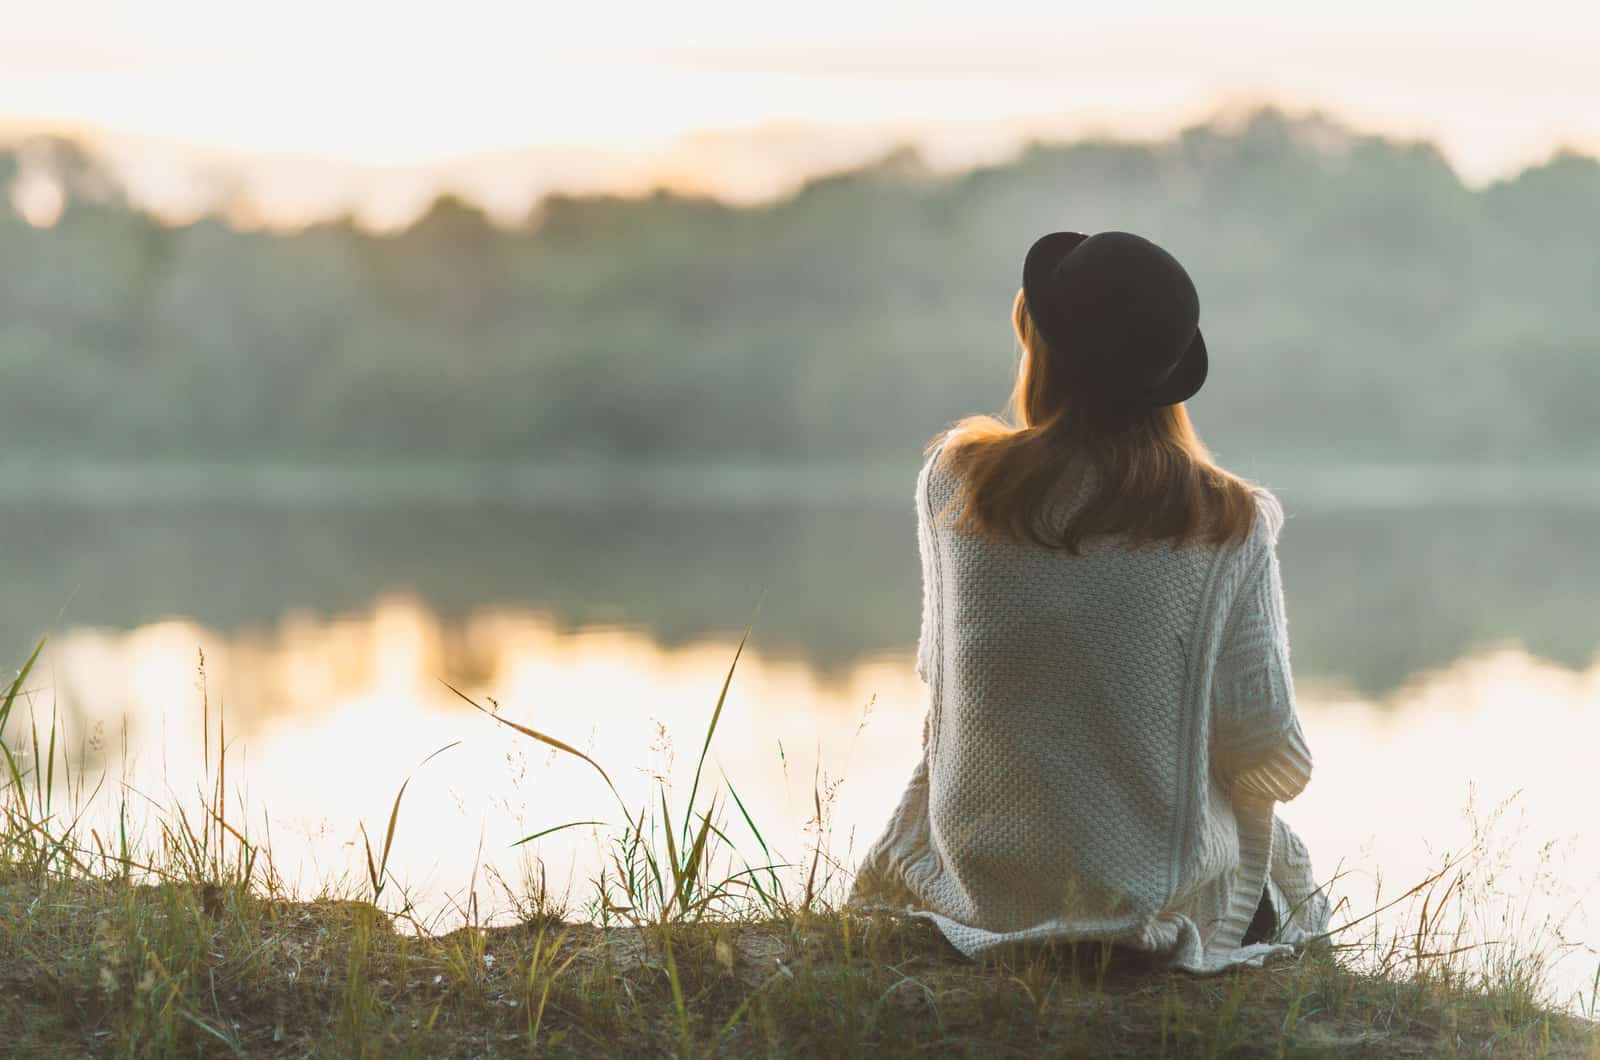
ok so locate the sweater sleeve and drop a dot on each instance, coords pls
(927, 641)
(1257, 742)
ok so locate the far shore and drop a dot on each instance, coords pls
(1308, 481)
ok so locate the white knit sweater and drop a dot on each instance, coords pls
(1106, 739)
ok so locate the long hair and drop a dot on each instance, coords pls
(1151, 478)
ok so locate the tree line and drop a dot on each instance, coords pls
(1358, 299)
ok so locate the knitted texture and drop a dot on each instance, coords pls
(1108, 734)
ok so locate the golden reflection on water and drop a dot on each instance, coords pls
(326, 718)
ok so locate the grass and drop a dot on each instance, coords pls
(186, 943)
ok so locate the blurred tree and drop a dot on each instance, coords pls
(1357, 298)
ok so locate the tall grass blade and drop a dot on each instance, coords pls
(394, 819)
(1425, 885)
(220, 813)
(16, 685)
(50, 765)
(452, 744)
(766, 854)
(38, 781)
(549, 831)
(716, 716)
(672, 851)
(372, 867)
(691, 865)
(13, 771)
(534, 734)
(379, 870)
(205, 713)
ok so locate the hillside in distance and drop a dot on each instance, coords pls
(1358, 299)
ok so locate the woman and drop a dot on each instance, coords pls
(1112, 715)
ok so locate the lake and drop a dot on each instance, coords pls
(1445, 655)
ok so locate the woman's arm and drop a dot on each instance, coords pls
(1257, 743)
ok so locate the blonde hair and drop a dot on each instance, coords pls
(1153, 478)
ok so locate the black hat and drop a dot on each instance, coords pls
(1122, 310)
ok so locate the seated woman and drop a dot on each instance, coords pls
(1112, 716)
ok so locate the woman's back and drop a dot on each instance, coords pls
(1067, 697)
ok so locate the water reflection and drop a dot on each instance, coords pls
(325, 720)
(1375, 595)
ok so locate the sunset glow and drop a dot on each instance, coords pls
(612, 94)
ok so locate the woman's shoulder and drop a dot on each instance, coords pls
(1260, 541)
(1268, 522)
(936, 471)
(934, 489)
(941, 444)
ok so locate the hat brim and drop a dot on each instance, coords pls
(1187, 377)
(1047, 252)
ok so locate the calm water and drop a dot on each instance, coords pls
(1446, 658)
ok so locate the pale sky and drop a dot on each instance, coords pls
(591, 87)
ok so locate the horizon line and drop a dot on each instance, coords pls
(895, 140)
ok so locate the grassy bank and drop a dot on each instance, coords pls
(106, 968)
(188, 943)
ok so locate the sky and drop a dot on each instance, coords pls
(359, 100)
